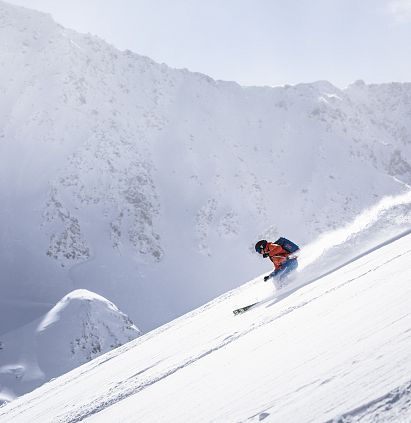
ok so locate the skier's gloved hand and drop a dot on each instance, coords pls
(266, 278)
(265, 255)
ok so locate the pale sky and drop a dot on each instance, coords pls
(254, 42)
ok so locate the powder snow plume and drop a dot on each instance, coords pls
(392, 211)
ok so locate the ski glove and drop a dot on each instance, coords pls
(266, 278)
(265, 255)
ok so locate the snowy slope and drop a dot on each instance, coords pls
(149, 185)
(80, 327)
(335, 350)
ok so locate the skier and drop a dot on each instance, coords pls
(282, 254)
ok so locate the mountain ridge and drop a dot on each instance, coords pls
(128, 170)
(80, 327)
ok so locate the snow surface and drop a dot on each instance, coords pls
(80, 327)
(150, 185)
(334, 350)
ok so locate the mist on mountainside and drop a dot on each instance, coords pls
(150, 185)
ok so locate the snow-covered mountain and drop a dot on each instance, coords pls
(333, 350)
(149, 185)
(80, 327)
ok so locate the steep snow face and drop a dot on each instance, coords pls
(149, 185)
(336, 349)
(80, 327)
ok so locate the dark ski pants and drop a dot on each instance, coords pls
(287, 267)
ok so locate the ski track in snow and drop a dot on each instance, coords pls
(109, 161)
(114, 136)
(137, 383)
(387, 408)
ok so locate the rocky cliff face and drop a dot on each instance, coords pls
(149, 185)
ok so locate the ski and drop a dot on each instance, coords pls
(243, 309)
